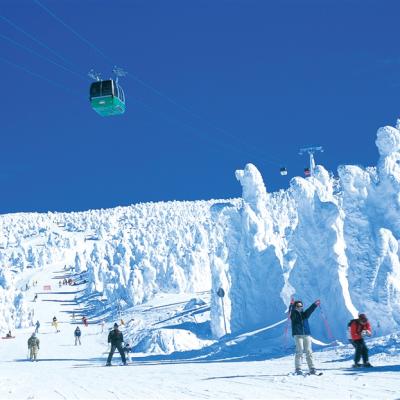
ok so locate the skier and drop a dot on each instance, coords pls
(33, 346)
(115, 337)
(359, 328)
(127, 350)
(85, 321)
(301, 333)
(55, 324)
(37, 326)
(102, 326)
(35, 298)
(77, 335)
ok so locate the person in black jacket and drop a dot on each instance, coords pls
(116, 338)
(301, 333)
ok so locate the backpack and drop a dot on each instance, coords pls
(351, 321)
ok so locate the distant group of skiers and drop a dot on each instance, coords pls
(66, 281)
(358, 328)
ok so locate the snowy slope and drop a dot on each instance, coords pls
(238, 367)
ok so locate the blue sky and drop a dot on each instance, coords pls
(212, 86)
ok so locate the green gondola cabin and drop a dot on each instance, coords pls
(107, 98)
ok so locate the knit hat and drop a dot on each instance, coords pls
(362, 317)
(115, 325)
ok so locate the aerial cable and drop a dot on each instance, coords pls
(71, 29)
(148, 86)
(28, 71)
(15, 43)
(187, 110)
(36, 40)
(205, 138)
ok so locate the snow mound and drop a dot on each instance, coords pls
(167, 341)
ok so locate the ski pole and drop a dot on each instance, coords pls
(328, 329)
(287, 323)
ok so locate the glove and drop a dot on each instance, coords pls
(317, 302)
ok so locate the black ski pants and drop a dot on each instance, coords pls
(361, 351)
(120, 350)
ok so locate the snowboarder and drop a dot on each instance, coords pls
(359, 328)
(55, 324)
(9, 335)
(116, 338)
(301, 333)
(127, 350)
(37, 326)
(77, 335)
(33, 346)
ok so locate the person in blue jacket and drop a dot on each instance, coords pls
(302, 334)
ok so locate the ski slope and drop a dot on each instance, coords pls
(236, 369)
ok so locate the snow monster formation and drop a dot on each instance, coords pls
(334, 239)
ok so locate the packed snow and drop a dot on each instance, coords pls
(157, 269)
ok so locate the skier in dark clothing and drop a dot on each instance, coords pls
(77, 334)
(358, 329)
(116, 338)
(301, 333)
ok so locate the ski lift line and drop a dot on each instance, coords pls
(195, 131)
(253, 151)
(41, 5)
(15, 43)
(193, 114)
(28, 71)
(137, 79)
(36, 40)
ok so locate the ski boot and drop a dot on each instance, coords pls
(357, 365)
(367, 365)
(298, 371)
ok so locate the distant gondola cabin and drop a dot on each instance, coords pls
(307, 172)
(107, 98)
(283, 171)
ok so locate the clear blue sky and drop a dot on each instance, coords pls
(260, 78)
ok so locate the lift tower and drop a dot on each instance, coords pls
(310, 151)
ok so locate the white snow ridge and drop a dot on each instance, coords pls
(157, 268)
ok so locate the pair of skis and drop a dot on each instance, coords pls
(305, 374)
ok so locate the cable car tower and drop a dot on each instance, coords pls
(309, 171)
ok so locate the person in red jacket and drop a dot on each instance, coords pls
(359, 328)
